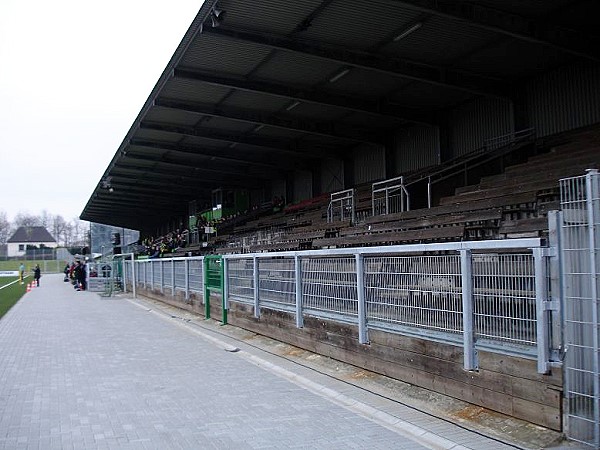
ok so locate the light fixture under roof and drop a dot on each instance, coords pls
(339, 75)
(408, 31)
(292, 105)
(259, 127)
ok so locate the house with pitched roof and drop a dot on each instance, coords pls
(29, 237)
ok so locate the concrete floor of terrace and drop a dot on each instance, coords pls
(81, 371)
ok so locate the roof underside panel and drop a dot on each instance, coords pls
(439, 40)
(159, 114)
(296, 69)
(526, 59)
(358, 24)
(277, 86)
(269, 14)
(210, 52)
(193, 91)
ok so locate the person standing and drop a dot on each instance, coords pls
(37, 273)
(22, 273)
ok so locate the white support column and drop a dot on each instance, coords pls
(470, 360)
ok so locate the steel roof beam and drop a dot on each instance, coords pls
(511, 24)
(213, 154)
(305, 94)
(384, 64)
(177, 176)
(330, 130)
(134, 172)
(167, 161)
(266, 144)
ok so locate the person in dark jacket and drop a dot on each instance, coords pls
(37, 274)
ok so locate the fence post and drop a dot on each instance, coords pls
(363, 335)
(162, 276)
(186, 268)
(152, 274)
(593, 217)
(205, 264)
(542, 307)
(256, 287)
(224, 289)
(470, 361)
(298, 268)
(173, 278)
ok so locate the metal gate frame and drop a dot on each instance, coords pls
(580, 252)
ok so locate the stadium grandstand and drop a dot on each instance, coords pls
(392, 183)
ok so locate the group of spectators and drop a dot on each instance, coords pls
(76, 274)
(163, 245)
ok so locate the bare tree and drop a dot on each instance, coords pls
(26, 220)
(4, 227)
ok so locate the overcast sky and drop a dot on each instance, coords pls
(73, 76)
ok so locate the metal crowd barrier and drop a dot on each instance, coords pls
(492, 295)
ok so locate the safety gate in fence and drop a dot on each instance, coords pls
(580, 243)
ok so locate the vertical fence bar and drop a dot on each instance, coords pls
(173, 277)
(205, 271)
(256, 287)
(225, 283)
(470, 353)
(152, 275)
(162, 276)
(298, 270)
(186, 268)
(542, 326)
(223, 287)
(593, 199)
(363, 336)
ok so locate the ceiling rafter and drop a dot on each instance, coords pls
(168, 161)
(267, 144)
(511, 24)
(203, 152)
(324, 129)
(304, 94)
(384, 64)
(176, 176)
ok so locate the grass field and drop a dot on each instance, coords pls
(52, 266)
(10, 295)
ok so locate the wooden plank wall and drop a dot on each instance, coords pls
(507, 384)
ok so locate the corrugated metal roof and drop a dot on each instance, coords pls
(319, 78)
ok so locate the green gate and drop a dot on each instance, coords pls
(214, 282)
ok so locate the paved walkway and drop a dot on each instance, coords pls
(78, 371)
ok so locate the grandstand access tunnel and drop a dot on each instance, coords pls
(313, 96)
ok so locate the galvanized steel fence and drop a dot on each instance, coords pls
(580, 248)
(481, 295)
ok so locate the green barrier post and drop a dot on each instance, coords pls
(214, 281)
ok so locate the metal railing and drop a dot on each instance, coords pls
(389, 196)
(342, 206)
(480, 294)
